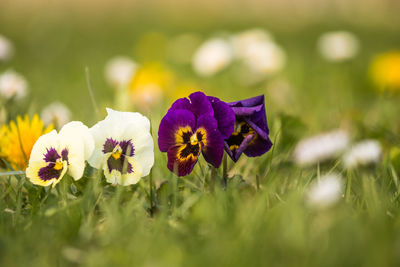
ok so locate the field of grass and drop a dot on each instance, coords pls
(261, 217)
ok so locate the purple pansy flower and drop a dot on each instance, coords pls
(194, 125)
(251, 129)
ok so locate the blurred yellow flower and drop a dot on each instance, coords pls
(18, 138)
(385, 71)
(150, 84)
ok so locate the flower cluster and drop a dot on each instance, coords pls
(206, 125)
(121, 145)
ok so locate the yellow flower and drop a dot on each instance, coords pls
(150, 84)
(17, 140)
(385, 71)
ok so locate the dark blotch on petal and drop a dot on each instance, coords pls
(127, 148)
(51, 155)
(109, 145)
(178, 165)
(48, 172)
(118, 164)
(170, 125)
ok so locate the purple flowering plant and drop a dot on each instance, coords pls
(193, 126)
(251, 135)
(206, 125)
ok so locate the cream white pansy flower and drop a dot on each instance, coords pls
(124, 147)
(212, 56)
(56, 113)
(325, 192)
(321, 147)
(338, 45)
(363, 153)
(6, 48)
(12, 84)
(119, 71)
(55, 154)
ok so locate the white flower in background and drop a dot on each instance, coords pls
(259, 52)
(56, 113)
(119, 71)
(363, 153)
(6, 48)
(212, 56)
(265, 58)
(338, 46)
(242, 42)
(325, 192)
(321, 147)
(12, 84)
(54, 154)
(124, 147)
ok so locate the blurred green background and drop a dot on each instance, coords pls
(102, 225)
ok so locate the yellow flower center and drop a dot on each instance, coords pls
(58, 165)
(117, 153)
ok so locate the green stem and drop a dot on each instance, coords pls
(212, 178)
(224, 171)
(348, 187)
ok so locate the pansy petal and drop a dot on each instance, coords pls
(44, 142)
(144, 148)
(257, 147)
(32, 172)
(200, 105)
(181, 103)
(170, 125)
(250, 102)
(127, 118)
(78, 131)
(213, 150)
(135, 176)
(235, 155)
(197, 103)
(247, 111)
(178, 165)
(224, 115)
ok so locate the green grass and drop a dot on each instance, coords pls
(189, 222)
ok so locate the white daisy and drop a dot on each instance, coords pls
(325, 192)
(257, 49)
(321, 147)
(212, 56)
(119, 71)
(54, 154)
(13, 84)
(124, 147)
(56, 113)
(338, 46)
(363, 153)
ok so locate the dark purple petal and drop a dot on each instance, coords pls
(109, 145)
(181, 103)
(197, 103)
(48, 172)
(181, 159)
(64, 154)
(224, 115)
(170, 125)
(250, 102)
(257, 147)
(255, 142)
(51, 155)
(213, 149)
